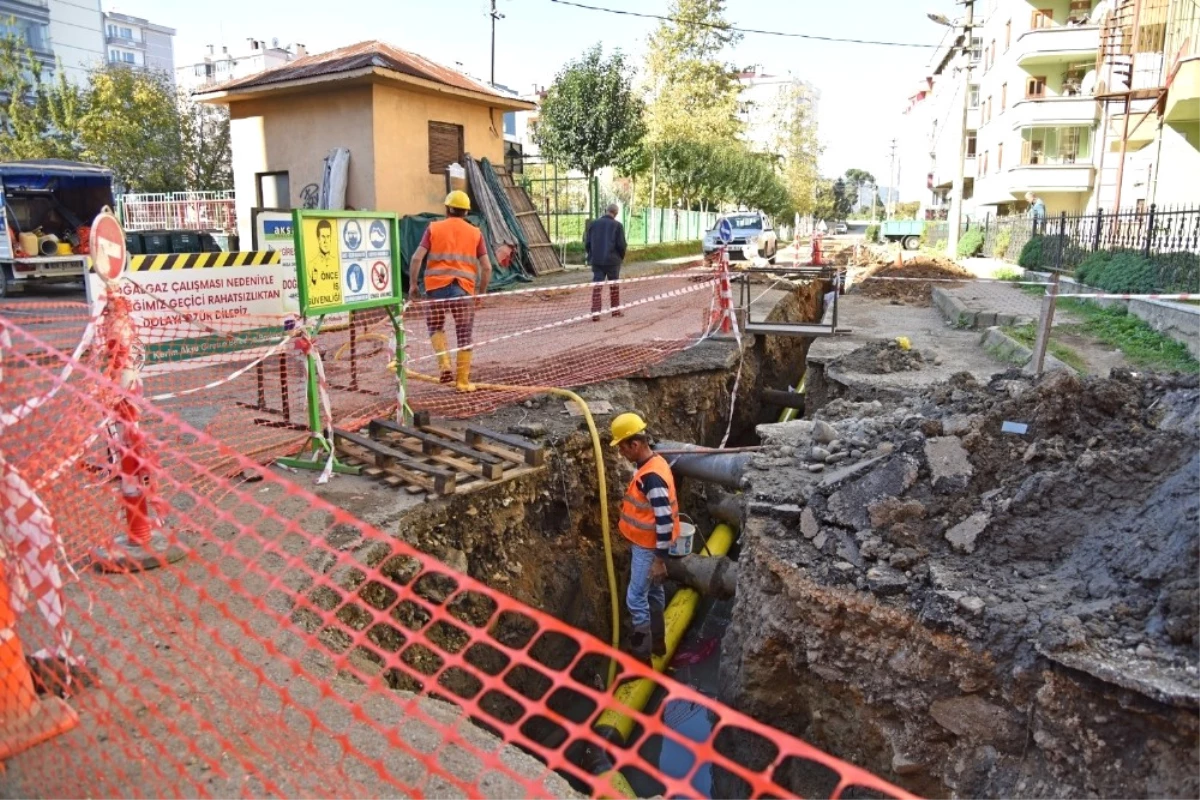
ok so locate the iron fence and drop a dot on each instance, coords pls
(210, 211)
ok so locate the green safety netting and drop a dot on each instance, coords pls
(412, 228)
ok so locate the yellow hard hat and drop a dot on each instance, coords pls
(458, 199)
(626, 425)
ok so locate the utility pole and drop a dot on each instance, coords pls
(956, 199)
(495, 16)
(892, 193)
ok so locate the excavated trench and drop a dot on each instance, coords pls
(538, 537)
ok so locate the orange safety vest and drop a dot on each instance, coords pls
(637, 515)
(453, 243)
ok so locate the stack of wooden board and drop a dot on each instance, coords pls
(435, 459)
(541, 250)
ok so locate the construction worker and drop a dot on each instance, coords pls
(456, 266)
(650, 521)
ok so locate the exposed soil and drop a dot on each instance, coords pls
(975, 612)
(879, 358)
(909, 291)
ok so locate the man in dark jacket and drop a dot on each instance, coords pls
(604, 243)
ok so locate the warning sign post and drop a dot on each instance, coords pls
(346, 261)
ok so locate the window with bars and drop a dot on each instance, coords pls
(445, 146)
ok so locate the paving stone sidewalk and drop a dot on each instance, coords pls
(982, 304)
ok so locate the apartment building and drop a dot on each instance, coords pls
(66, 32)
(137, 42)
(1052, 83)
(761, 98)
(221, 64)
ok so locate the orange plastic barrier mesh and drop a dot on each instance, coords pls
(241, 379)
(296, 651)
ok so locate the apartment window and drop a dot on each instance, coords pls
(1007, 35)
(114, 57)
(973, 96)
(445, 146)
(1056, 146)
(1003, 96)
(970, 145)
(1000, 157)
(993, 56)
(1035, 86)
(984, 169)
(987, 110)
(128, 58)
(976, 49)
(274, 190)
(35, 34)
(1042, 18)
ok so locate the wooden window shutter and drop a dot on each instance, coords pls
(445, 146)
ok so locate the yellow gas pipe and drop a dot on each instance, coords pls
(602, 486)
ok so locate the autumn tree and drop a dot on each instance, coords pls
(205, 146)
(39, 117)
(692, 91)
(794, 129)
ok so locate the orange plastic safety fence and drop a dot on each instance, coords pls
(298, 651)
(241, 379)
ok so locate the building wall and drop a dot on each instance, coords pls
(401, 134)
(160, 51)
(77, 36)
(294, 133)
(226, 66)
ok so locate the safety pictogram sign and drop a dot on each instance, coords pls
(346, 260)
(381, 276)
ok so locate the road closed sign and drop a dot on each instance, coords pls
(346, 260)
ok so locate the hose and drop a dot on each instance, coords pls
(601, 482)
(379, 337)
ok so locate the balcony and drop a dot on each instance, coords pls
(1051, 45)
(1051, 178)
(127, 42)
(1080, 111)
(973, 118)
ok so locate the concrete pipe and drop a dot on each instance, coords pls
(709, 575)
(725, 469)
(725, 508)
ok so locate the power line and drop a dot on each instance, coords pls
(787, 34)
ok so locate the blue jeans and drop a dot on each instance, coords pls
(642, 591)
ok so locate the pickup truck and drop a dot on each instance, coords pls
(48, 197)
(906, 231)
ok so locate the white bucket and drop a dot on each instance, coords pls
(682, 546)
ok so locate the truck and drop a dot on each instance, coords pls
(48, 207)
(906, 231)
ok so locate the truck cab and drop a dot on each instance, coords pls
(48, 207)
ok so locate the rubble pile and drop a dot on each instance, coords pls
(880, 358)
(988, 589)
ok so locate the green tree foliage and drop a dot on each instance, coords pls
(970, 243)
(906, 210)
(39, 116)
(795, 140)
(843, 200)
(204, 145)
(591, 117)
(692, 93)
(125, 119)
(131, 125)
(856, 180)
(705, 174)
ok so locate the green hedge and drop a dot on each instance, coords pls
(1128, 271)
(1003, 240)
(1031, 253)
(971, 243)
(872, 234)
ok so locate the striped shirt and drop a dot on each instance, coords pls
(655, 490)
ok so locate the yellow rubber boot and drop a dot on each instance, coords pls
(439, 346)
(463, 379)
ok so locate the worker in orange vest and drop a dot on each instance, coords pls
(456, 266)
(650, 521)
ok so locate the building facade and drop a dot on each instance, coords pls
(140, 43)
(58, 32)
(222, 64)
(762, 97)
(1050, 85)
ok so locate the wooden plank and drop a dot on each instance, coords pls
(443, 481)
(429, 441)
(535, 455)
(491, 471)
(511, 456)
(525, 213)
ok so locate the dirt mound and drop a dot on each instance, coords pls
(879, 358)
(911, 291)
(1014, 563)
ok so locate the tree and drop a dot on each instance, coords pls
(906, 210)
(693, 94)
(132, 125)
(39, 118)
(856, 181)
(795, 140)
(843, 202)
(204, 146)
(591, 118)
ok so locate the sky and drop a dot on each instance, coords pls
(863, 87)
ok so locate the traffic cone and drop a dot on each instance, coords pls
(25, 719)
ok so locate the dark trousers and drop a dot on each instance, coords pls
(461, 306)
(600, 275)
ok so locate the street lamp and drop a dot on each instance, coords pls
(940, 19)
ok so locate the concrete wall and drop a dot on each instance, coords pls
(77, 37)
(160, 51)
(294, 133)
(402, 145)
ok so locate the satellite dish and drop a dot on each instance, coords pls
(275, 43)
